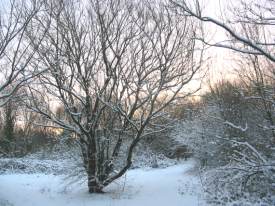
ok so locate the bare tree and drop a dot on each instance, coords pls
(249, 29)
(15, 54)
(246, 14)
(7, 146)
(114, 66)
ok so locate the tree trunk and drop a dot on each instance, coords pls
(93, 185)
(93, 180)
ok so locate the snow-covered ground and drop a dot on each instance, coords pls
(171, 186)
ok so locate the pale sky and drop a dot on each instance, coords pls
(221, 59)
(220, 63)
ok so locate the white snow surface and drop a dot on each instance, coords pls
(171, 186)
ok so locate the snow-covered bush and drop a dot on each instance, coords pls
(230, 137)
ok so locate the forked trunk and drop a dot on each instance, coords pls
(93, 181)
(94, 186)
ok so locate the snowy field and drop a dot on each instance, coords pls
(171, 186)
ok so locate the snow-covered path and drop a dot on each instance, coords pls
(172, 186)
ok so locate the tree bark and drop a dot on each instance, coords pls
(93, 185)
(93, 182)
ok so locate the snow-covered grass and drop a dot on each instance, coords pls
(174, 185)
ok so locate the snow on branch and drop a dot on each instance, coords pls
(197, 14)
(243, 129)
